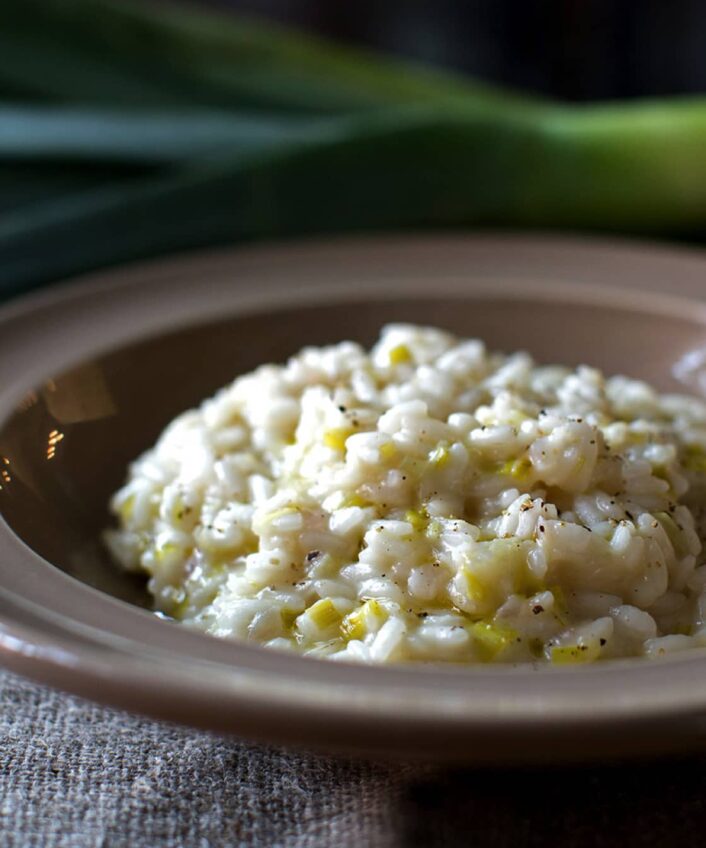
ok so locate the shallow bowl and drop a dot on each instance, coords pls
(90, 373)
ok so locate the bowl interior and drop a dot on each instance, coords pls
(67, 446)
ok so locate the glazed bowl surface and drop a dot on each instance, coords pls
(91, 373)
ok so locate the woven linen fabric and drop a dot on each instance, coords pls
(75, 775)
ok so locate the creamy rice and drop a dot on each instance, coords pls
(430, 501)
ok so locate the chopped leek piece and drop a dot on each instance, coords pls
(324, 613)
(572, 654)
(388, 451)
(517, 468)
(126, 508)
(476, 590)
(354, 500)
(366, 619)
(491, 638)
(400, 354)
(336, 438)
(164, 552)
(417, 519)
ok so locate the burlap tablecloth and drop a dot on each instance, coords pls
(74, 775)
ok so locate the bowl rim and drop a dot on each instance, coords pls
(63, 632)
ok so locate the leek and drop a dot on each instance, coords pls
(130, 130)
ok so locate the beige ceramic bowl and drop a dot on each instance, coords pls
(90, 373)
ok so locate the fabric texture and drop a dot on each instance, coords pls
(75, 775)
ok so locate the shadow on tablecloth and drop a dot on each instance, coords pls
(653, 805)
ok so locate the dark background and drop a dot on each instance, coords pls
(573, 49)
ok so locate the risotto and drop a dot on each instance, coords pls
(427, 500)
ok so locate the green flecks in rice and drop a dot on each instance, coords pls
(428, 501)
